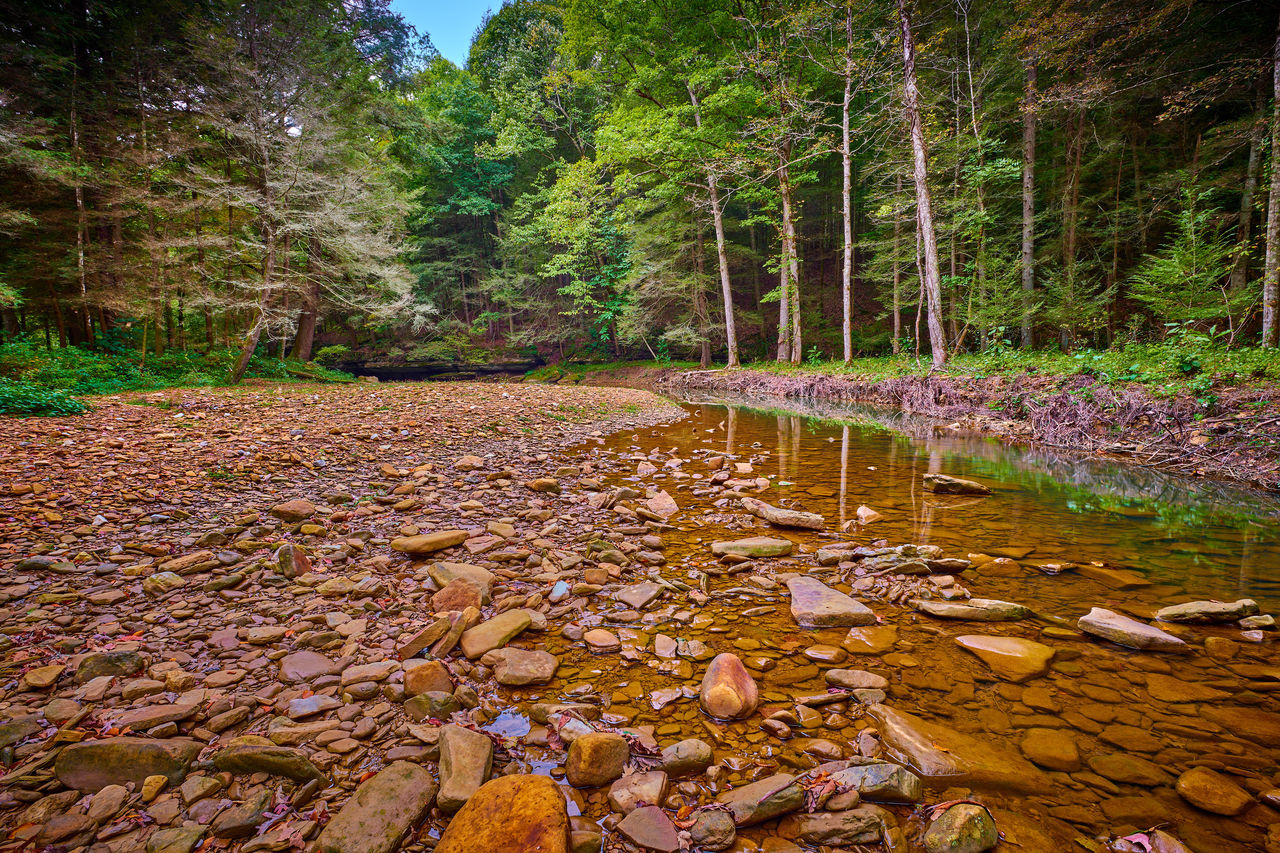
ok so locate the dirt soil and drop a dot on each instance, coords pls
(1238, 440)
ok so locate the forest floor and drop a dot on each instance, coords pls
(1225, 424)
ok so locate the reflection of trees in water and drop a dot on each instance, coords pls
(1086, 484)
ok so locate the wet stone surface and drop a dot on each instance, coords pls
(389, 618)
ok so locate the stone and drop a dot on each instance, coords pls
(430, 676)
(152, 786)
(687, 757)
(304, 666)
(458, 594)
(1128, 769)
(42, 677)
(861, 825)
(16, 731)
(728, 691)
(1011, 658)
(162, 582)
(1111, 576)
(1128, 632)
(90, 766)
(764, 800)
(1261, 727)
(432, 705)
(382, 811)
(107, 803)
(466, 759)
(783, 517)
(963, 828)
(518, 667)
(116, 664)
(294, 511)
(1213, 792)
(1166, 688)
(494, 633)
(240, 821)
(856, 679)
(753, 547)
(275, 760)
(816, 605)
(881, 781)
(428, 543)
(175, 839)
(595, 759)
(871, 640)
(713, 829)
(510, 813)
(445, 573)
(942, 484)
(650, 828)
(973, 610)
(639, 595)
(547, 485)
(1053, 749)
(638, 789)
(291, 560)
(662, 504)
(1208, 612)
(600, 640)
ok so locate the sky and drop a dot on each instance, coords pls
(450, 23)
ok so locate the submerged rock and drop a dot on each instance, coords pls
(755, 546)
(963, 828)
(1012, 658)
(760, 801)
(1128, 632)
(861, 825)
(783, 517)
(1207, 612)
(728, 690)
(941, 484)
(651, 828)
(880, 781)
(1209, 790)
(973, 610)
(816, 605)
(515, 813)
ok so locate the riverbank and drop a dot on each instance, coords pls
(1235, 436)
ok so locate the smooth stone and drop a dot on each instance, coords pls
(175, 839)
(458, 594)
(881, 781)
(276, 760)
(600, 640)
(942, 484)
(871, 640)
(1166, 688)
(861, 825)
(304, 666)
(466, 760)
(1053, 749)
(518, 667)
(650, 828)
(494, 633)
(295, 510)
(1012, 658)
(382, 811)
(753, 547)
(637, 596)
(816, 605)
(963, 828)
(1128, 632)
(728, 691)
(428, 543)
(432, 705)
(596, 759)
(1208, 612)
(1128, 769)
(713, 829)
(1261, 727)
(763, 800)
(687, 757)
(90, 766)
(856, 679)
(638, 789)
(783, 517)
(510, 813)
(973, 610)
(1213, 792)
(445, 573)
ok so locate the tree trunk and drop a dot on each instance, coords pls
(1270, 285)
(1244, 226)
(722, 254)
(897, 270)
(1070, 220)
(791, 292)
(1028, 204)
(846, 193)
(304, 341)
(924, 204)
(700, 311)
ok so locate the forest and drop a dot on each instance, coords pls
(722, 180)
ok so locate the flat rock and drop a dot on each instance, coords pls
(382, 811)
(1012, 658)
(1213, 792)
(650, 828)
(942, 484)
(595, 759)
(973, 610)
(275, 760)
(1128, 632)
(638, 789)
(782, 517)
(1261, 727)
(1052, 749)
(1208, 612)
(294, 511)
(428, 543)
(880, 781)
(764, 800)
(753, 547)
(518, 667)
(445, 573)
(638, 595)
(511, 813)
(816, 605)
(494, 633)
(860, 825)
(466, 759)
(1166, 688)
(90, 766)
(304, 666)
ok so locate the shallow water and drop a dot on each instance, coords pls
(1134, 734)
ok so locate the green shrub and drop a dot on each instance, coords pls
(331, 355)
(23, 398)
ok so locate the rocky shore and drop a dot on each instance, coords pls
(380, 618)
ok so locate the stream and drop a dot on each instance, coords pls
(1108, 730)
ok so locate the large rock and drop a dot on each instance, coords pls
(1053, 749)
(753, 547)
(860, 825)
(495, 633)
(520, 814)
(276, 760)
(1209, 790)
(728, 690)
(98, 664)
(1012, 658)
(880, 781)
(294, 511)
(973, 610)
(429, 543)
(595, 759)
(963, 828)
(1128, 632)
(1207, 612)
(466, 759)
(941, 484)
(764, 800)
(381, 813)
(518, 667)
(816, 605)
(445, 573)
(936, 752)
(304, 666)
(92, 765)
(687, 757)
(649, 828)
(783, 517)
(638, 789)
(1261, 727)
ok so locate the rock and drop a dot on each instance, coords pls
(494, 633)
(175, 839)
(1261, 727)
(662, 504)
(1112, 577)
(599, 640)
(90, 766)
(382, 811)
(1207, 612)
(275, 760)
(650, 828)
(511, 813)
(458, 594)
(107, 802)
(1128, 769)
(728, 690)
(430, 676)
(1012, 658)
(936, 752)
(783, 517)
(241, 820)
(432, 705)
(753, 547)
(304, 666)
(860, 825)
(292, 561)
(152, 786)
(963, 828)
(108, 663)
(816, 605)
(1128, 632)
(445, 573)
(596, 759)
(466, 759)
(468, 462)
(1053, 749)
(973, 610)
(517, 667)
(638, 789)
(871, 640)
(162, 582)
(42, 677)
(881, 781)
(1211, 791)
(867, 515)
(941, 484)
(713, 829)
(294, 511)
(687, 757)
(16, 731)
(429, 543)
(764, 800)
(1166, 688)
(856, 679)
(637, 596)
